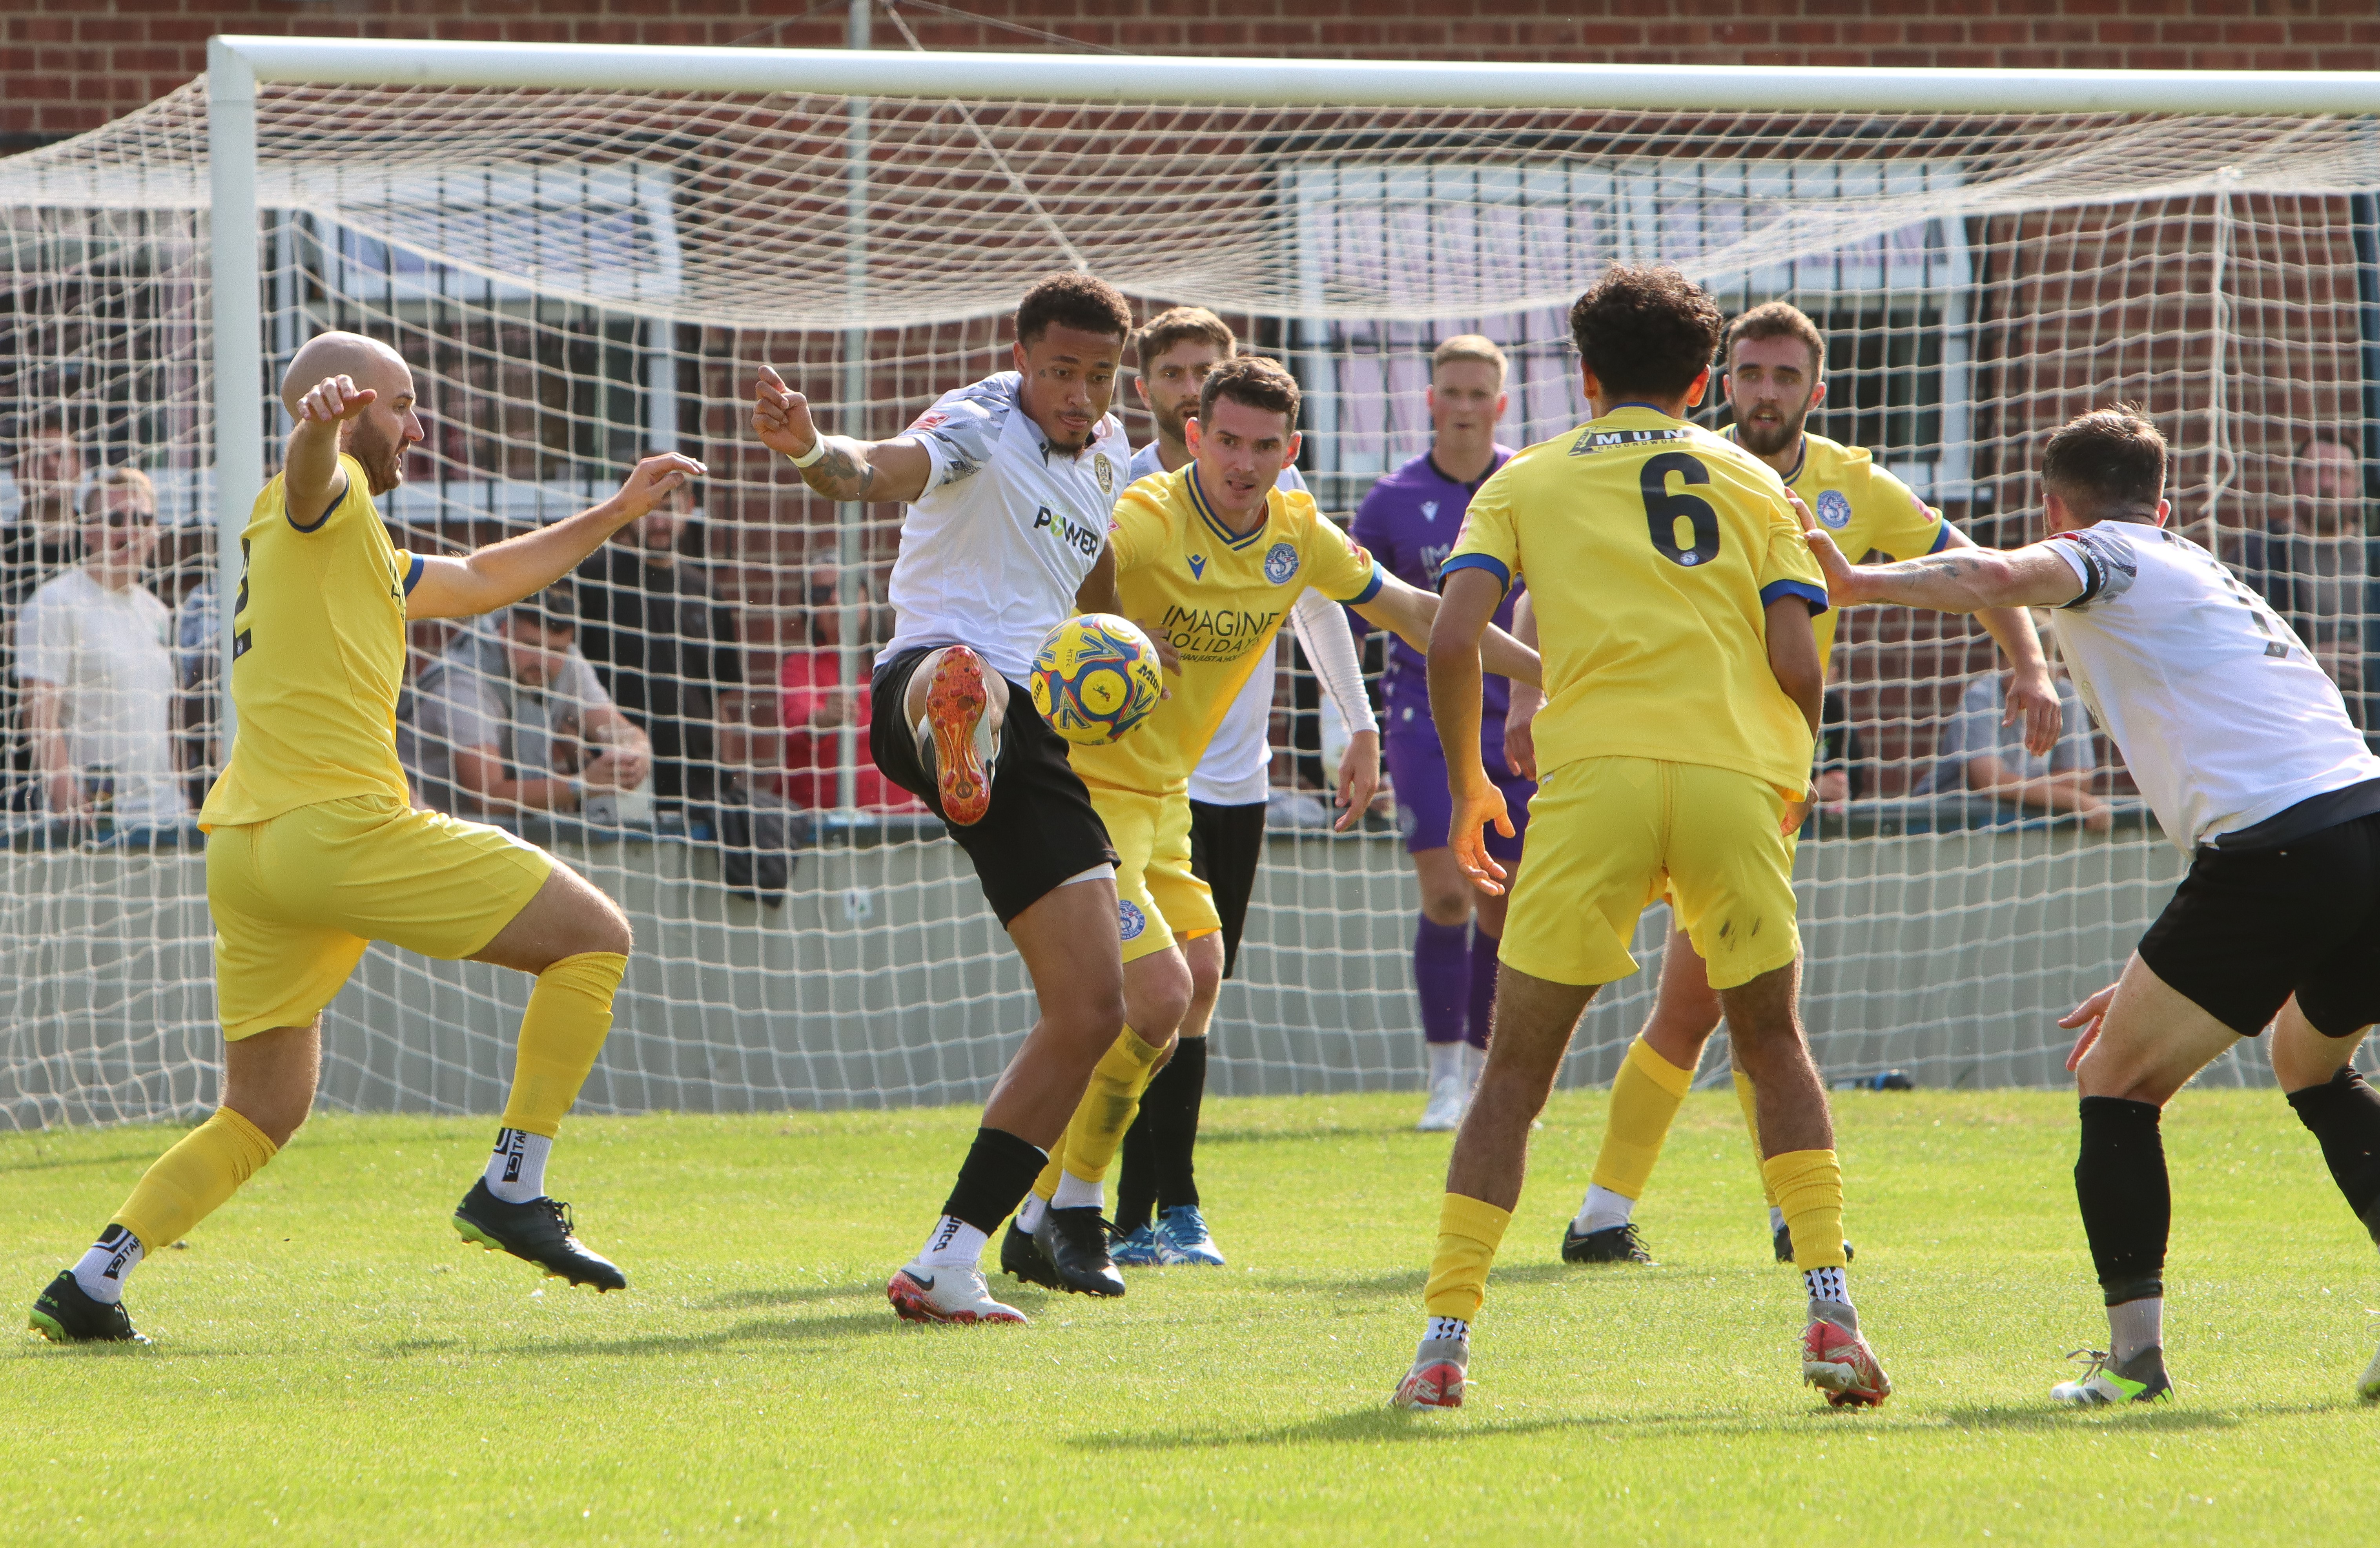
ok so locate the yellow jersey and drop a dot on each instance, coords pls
(318, 658)
(1221, 598)
(1652, 549)
(1865, 510)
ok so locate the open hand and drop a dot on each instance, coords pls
(1467, 834)
(334, 399)
(2087, 1015)
(652, 481)
(2035, 698)
(1359, 778)
(780, 417)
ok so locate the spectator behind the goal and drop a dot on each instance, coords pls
(1981, 756)
(666, 651)
(511, 720)
(41, 491)
(817, 705)
(2311, 561)
(96, 672)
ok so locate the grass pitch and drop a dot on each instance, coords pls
(332, 1363)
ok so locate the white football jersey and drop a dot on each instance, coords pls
(2218, 709)
(1236, 767)
(993, 552)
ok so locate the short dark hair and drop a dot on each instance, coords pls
(1169, 328)
(1777, 320)
(1252, 380)
(1071, 298)
(553, 610)
(2109, 463)
(1645, 330)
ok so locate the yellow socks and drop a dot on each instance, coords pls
(1644, 1098)
(1809, 1189)
(1748, 1098)
(191, 1182)
(1469, 1231)
(1110, 1101)
(568, 1017)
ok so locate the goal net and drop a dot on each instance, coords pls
(578, 278)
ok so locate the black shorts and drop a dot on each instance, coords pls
(1226, 842)
(1040, 831)
(2247, 929)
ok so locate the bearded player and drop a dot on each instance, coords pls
(1214, 556)
(314, 849)
(1008, 485)
(1230, 799)
(1672, 604)
(1776, 360)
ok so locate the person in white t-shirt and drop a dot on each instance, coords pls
(1009, 485)
(95, 665)
(2244, 751)
(1230, 797)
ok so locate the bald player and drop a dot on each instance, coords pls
(315, 850)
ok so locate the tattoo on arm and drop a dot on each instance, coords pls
(841, 474)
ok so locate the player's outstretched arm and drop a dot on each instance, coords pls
(841, 469)
(502, 573)
(1955, 581)
(311, 479)
(1471, 599)
(2032, 691)
(1410, 615)
(1527, 699)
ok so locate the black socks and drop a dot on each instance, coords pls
(2119, 1181)
(1160, 1149)
(2344, 1114)
(993, 1179)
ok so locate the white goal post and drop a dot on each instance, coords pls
(586, 250)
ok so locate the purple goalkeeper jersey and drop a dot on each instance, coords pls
(1409, 522)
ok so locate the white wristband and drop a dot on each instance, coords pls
(818, 449)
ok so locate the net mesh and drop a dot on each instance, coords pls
(580, 277)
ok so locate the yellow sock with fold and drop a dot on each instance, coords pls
(569, 1015)
(1809, 1187)
(1096, 1132)
(193, 1180)
(1469, 1231)
(1644, 1098)
(1747, 1097)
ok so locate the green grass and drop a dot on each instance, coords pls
(332, 1363)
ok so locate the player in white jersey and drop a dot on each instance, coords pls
(1228, 799)
(2244, 750)
(1009, 485)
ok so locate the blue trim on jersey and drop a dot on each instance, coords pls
(1371, 587)
(1487, 562)
(318, 520)
(1942, 538)
(1815, 595)
(1214, 525)
(413, 576)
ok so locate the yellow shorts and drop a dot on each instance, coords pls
(296, 898)
(1608, 835)
(1159, 899)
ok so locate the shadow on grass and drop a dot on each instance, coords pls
(2154, 1418)
(790, 1330)
(1409, 1282)
(789, 1295)
(1309, 1132)
(67, 1164)
(1393, 1425)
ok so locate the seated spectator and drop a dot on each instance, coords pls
(1981, 754)
(2311, 562)
(816, 707)
(663, 646)
(41, 499)
(511, 720)
(96, 672)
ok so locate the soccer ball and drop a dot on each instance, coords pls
(1095, 678)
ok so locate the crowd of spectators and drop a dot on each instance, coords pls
(620, 695)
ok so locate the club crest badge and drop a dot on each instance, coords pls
(1834, 510)
(1107, 474)
(1130, 920)
(1280, 563)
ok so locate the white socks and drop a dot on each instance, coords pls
(955, 1244)
(1603, 1209)
(2131, 1327)
(1029, 1213)
(104, 1269)
(517, 1169)
(1445, 1062)
(1830, 1299)
(1776, 1220)
(1446, 1330)
(1074, 1193)
(1473, 1061)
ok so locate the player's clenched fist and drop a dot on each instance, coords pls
(653, 480)
(334, 399)
(780, 417)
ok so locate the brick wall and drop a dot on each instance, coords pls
(70, 64)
